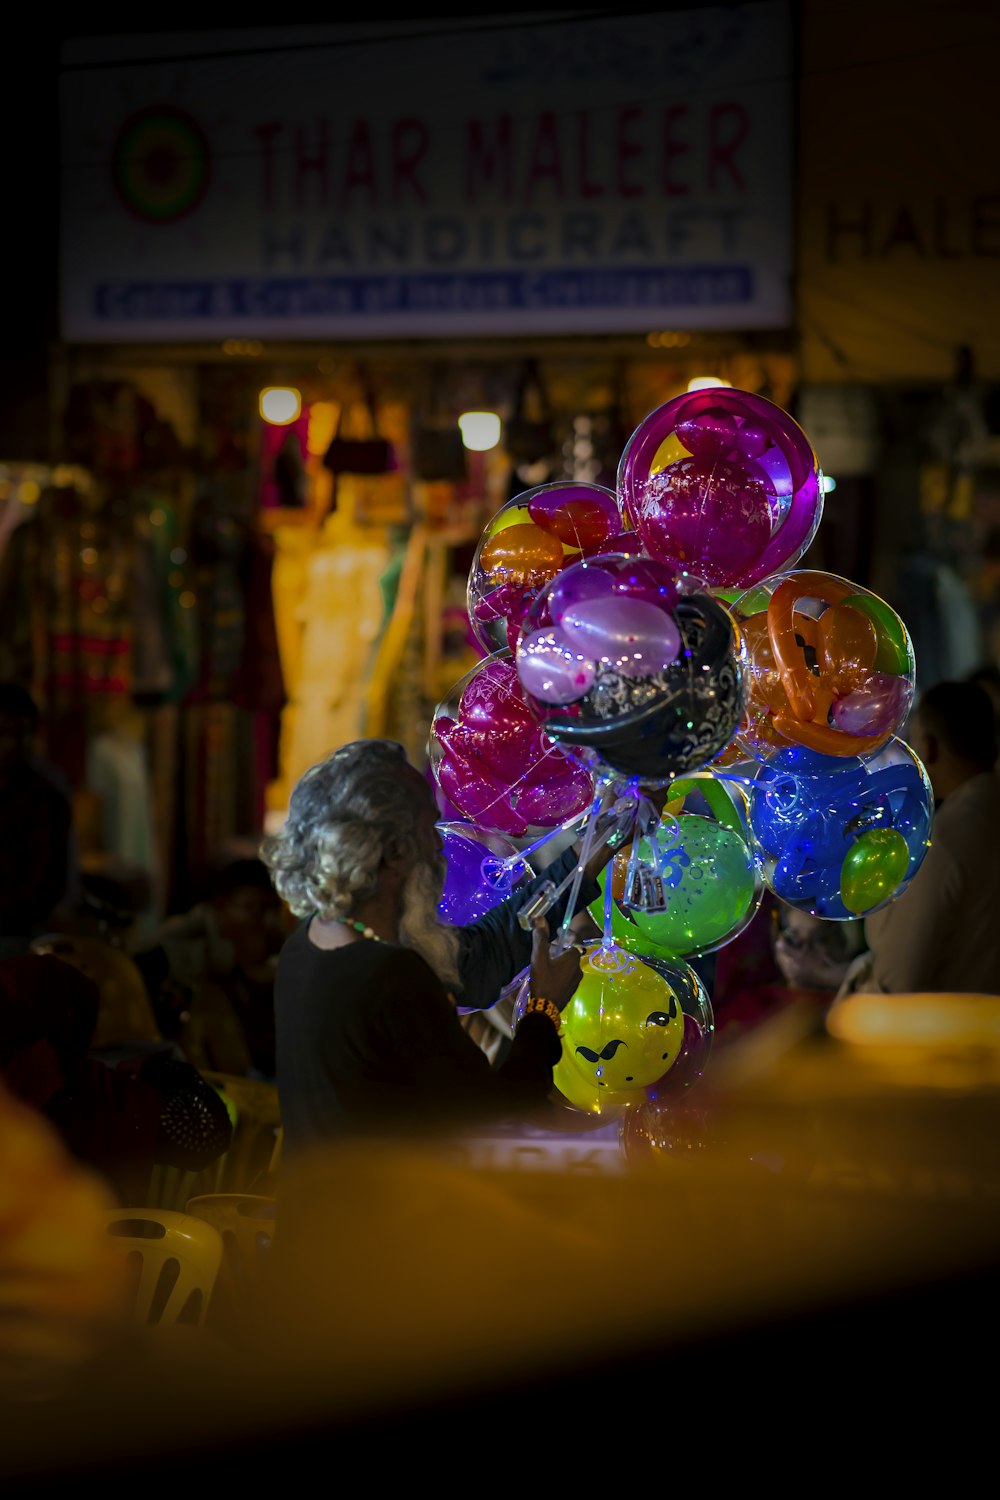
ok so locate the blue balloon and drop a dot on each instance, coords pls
(804, 825)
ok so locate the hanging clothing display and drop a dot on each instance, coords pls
(329, 609)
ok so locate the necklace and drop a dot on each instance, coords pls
(364, 931)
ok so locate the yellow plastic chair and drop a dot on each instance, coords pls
(173, 1261)
(171, 1187)
(125, 1014)
(258, 1120)
(245, 1222)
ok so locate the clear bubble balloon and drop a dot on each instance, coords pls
(723, 485)
(631, 1022)
(483, 869)
(829, 666)
(707, 871)
(847, 843)
(493, 762)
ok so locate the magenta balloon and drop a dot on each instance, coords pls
(507, 602)
(492, 698)
(878, 706)
(478, 798)
(635, 636)
(583, 580)
(581, 515)
(508, 753)
(709, 516)
(551, 668)
(557, 798)
(751, 439)
(453, 737)
(794, 467)
(646, 578)
(708, 434)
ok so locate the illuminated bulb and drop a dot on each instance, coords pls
(280, 404)
(480, 430)
(827, 483)
(705, 382)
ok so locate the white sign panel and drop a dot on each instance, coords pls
(499, 176)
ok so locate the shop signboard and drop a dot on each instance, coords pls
(496, 175)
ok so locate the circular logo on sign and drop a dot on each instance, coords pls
(161, 165)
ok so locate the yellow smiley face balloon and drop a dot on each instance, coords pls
(622, 1030)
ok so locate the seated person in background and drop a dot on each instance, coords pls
(943, 933)
(37, 849)
(812, 957)
(151, 1110)
(210, 973)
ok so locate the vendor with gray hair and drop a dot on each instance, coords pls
(369, 1041)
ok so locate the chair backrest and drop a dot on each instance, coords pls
(245, 1222)
(173, 1259)
(171, 1187)
(258, 1120)
(125, 1014)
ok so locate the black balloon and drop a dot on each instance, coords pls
(665, 725)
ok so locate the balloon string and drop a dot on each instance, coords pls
(608, 941)
(575, 878)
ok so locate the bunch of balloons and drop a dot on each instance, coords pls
(661, 637)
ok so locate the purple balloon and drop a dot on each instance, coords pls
(552, 669)
(878, 706)
(646, 578)
(751, 438)
(633, 636)
(583, 580)
(478, 876)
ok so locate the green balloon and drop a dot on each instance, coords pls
(711, 886)
(873, 868)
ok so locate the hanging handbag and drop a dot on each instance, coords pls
(530, 432)
(360, 455)
(438, 452)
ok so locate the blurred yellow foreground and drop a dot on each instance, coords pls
(825, 1171)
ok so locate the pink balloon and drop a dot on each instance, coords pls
(710, 517)
(633, 636)
(583, 580)
(552, 669)
(878, 706)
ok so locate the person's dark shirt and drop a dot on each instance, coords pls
(35, 850)
(369, 1041)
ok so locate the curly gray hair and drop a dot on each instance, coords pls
(343, 814)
